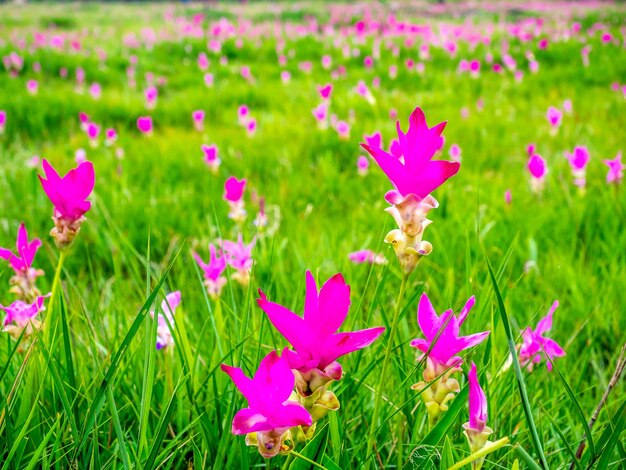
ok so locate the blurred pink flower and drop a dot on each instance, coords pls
(24, 255)
(211, 157)
(535, 343)
(367, 256)
(325, 91)
(144, 124)
(168, 309)
(616, 169)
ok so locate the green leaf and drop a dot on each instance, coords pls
(314, 450)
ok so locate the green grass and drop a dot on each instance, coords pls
(97, 394)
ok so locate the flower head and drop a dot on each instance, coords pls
(69, 193)
(239, 257)
(367, 256)
(168, 309)
(535, 343)
(314, 337)
(554, 117)
(616, 169)
(477, 402)
(270, 413)
(22, 259)
(211, 156)
(20, 315)
(442, 342)
(144, 124)
(213, 279)
(233, 189)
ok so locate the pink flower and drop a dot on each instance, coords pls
(24, 255)
(270, 413)
(554, 117)
(144, 124)
(578, 159)
(537, 167)
(19, 313)
(314, 337)
(210, 156)
(375, 140)
(455, 153)
(321, 114)
(198, 119)
(442, 342)
(362, 165)
(239, 257)
(616, 169)
(325, 91)
(567, 106)
(285, 76)
(32, 86)
(418, 174)
(151, 94)
(95, 90)
(168, 309)
(251, 127)
(535, 343)
(367, 256)
(343, 129)
(3, 121)
(69, 194)
(213, 279)
(508, 197)
(477, 403)
(243, 114)
(233, 189)
(208, 79)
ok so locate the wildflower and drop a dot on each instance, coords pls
(325, 91)
(270, 414)
(151, 95)
(285, 76)
(476, 429)
(578, 160)
(168, 309)
(213, 279)
(93, 132)
(535, 343)
(239, 257)
(321, 115)
(362, 165)
(251, 127)
(110, 136)
(21, 261)
(538, 170)
(211, 158)
(508, 197)
(69, 197)
(243, 113)
(367, 256)
(440, 347)
(415, 175)
(375, 140)
(198, 120)
(209, 79)
(95, 90)
(317, 345)
(233, 195)
(554, 117)
(616, 169)
(32, 86)
(343, 129)
(144, 124)
(20, 317)
(3, 121)
(455, 153)
(362, 90)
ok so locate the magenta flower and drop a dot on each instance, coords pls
(210, 157)
(578, 160)
(168, 309)
(32, 86)
(22, 259)
(151, 94)
(19, 314)
(110, 136)
(375, 140)
(616, 169)
(418, 174)
(198, 119)
(325, 91)
(239, 257)
(3, 121)
(442, 342)
(321, 114)
(213, 279)
(554, 117)
(455, 153)
(314, 337)
(270, 413)
(508, 197)
(233, 189)
(535, 343)
(477, 402)
(362, 165)
(144, 124)
(69, 196)
(367, 256)
(343, 129)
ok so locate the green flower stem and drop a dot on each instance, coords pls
(488, 449)
(383, 373)
(50, 321)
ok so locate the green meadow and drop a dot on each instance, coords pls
(90, 390)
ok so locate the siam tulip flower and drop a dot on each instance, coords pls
(554, 117)
(285, 76)
(93, 132)
(233, 195)
(260, 221)
(415, 175)
(393, 113)
(3, 121)
(508, 197)
(367, 256)
(211, 158)
(420, 68)
(578, 160)
(168, 309)
(110, 136)
(198, 120)
(441, 347)
(474, 68)
(368, 62)
(213, 279)
(343, 129)
(95, 90)
(243, 113)
(518, 75)
(535, 343)
(393, 72)
(251, 127)
(209, 79)
(151, 94)
(584, 52)
(616, 169)
(246, 74)
(455, 153)
(530, 149)
(476, 430)
(314, 337)
(362, 165)
(321, 115)
(203, 61)
(21, 261)
(538, 170)
(567, 106)
(327, 62)
(239, 257)
(144, 124)
(375, 140)
(362, 90)
(68, 195)
(84, 121)
(80, 156)
(80, 79)
(33, 162)
(464, 112)
(32, 86)
(270, 413)
(325, 91)
(20, 317)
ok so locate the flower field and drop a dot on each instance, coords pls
(313, 235)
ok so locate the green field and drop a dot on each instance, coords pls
(89, 390)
